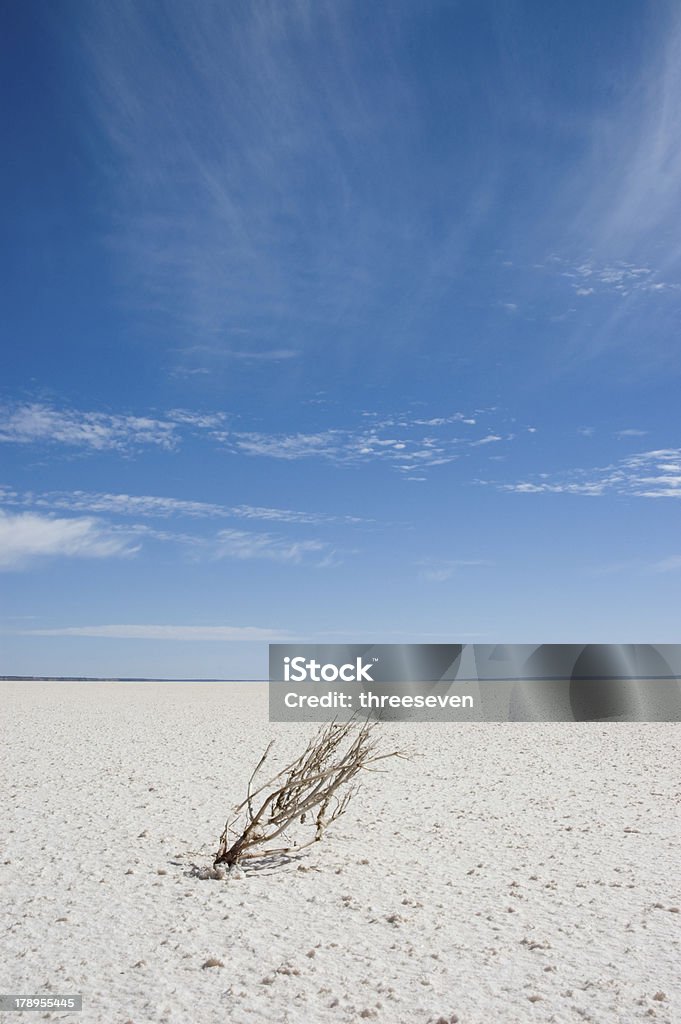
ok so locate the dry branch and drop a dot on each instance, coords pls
(303, 797)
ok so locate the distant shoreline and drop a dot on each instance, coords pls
(118, 679)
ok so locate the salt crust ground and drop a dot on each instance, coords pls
(514, 873)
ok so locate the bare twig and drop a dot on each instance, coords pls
(304, 794)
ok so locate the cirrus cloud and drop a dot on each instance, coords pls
(35, 422)
(27, 537)
(651, 474)
(146, 631)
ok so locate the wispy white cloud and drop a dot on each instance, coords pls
(488, 439)
(203, 360)
(288, 446)
(616, 201)
(403, 441)
(267, 355)
(236, 544)
(246, 545)
(201, 420)
(206, 219)
(222, 634)
(283, 515)
(670, 564)
(26, 538)
(636, 157)
(190, 371)
(630, 432)
(343, 446)
(219, 634)
(652, 474)
(154, 506)
(436, 421)
(127, 504)
(638, 566)
(621, 277)
(36, 422)
(26, 535)
(441, 571)
(615, 204)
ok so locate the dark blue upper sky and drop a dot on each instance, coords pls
(336, 320)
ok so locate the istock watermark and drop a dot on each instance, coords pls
(476, 682)
(298, 670)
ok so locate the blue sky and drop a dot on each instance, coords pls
(337, 321)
